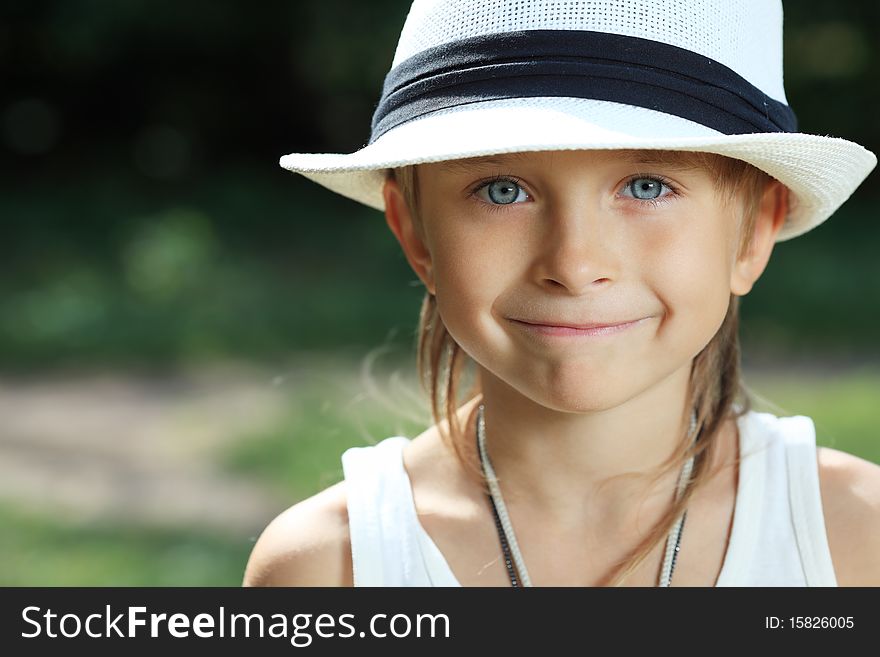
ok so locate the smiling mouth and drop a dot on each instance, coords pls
(592, 325)
(562, 329)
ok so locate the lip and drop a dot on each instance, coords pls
(575, 330)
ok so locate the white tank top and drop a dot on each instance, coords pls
(778, 536)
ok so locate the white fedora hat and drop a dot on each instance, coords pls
(483, 77)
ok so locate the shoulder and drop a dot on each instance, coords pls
(850, 491)
(308, 544)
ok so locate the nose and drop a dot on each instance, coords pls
(576, 250)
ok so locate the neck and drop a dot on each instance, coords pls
(595, 466)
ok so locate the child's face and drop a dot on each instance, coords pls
(579, 237)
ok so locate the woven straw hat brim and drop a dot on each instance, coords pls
(821, 171)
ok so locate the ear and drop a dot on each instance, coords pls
(770, 218)
(400, 221)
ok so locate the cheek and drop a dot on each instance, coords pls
(690, 273)
(467, 278)
(472, 270)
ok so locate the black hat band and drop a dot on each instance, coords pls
(579, 64)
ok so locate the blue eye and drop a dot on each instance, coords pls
(646, 189)
(503, 191)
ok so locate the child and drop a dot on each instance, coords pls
(586, 188)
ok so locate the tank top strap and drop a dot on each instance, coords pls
(778, 536)
(384, 544)
(806, 501)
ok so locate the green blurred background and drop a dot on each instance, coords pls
(190, 335)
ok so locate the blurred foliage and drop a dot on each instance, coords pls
(145, 219)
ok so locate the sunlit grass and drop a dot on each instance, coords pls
(330, 409)
(844, 406)
(37, 549)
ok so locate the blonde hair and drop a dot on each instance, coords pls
(715, 389)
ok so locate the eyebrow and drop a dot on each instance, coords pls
(682, 161)
(471, 164)
(668, 159)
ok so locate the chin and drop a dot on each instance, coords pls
(590, 398)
